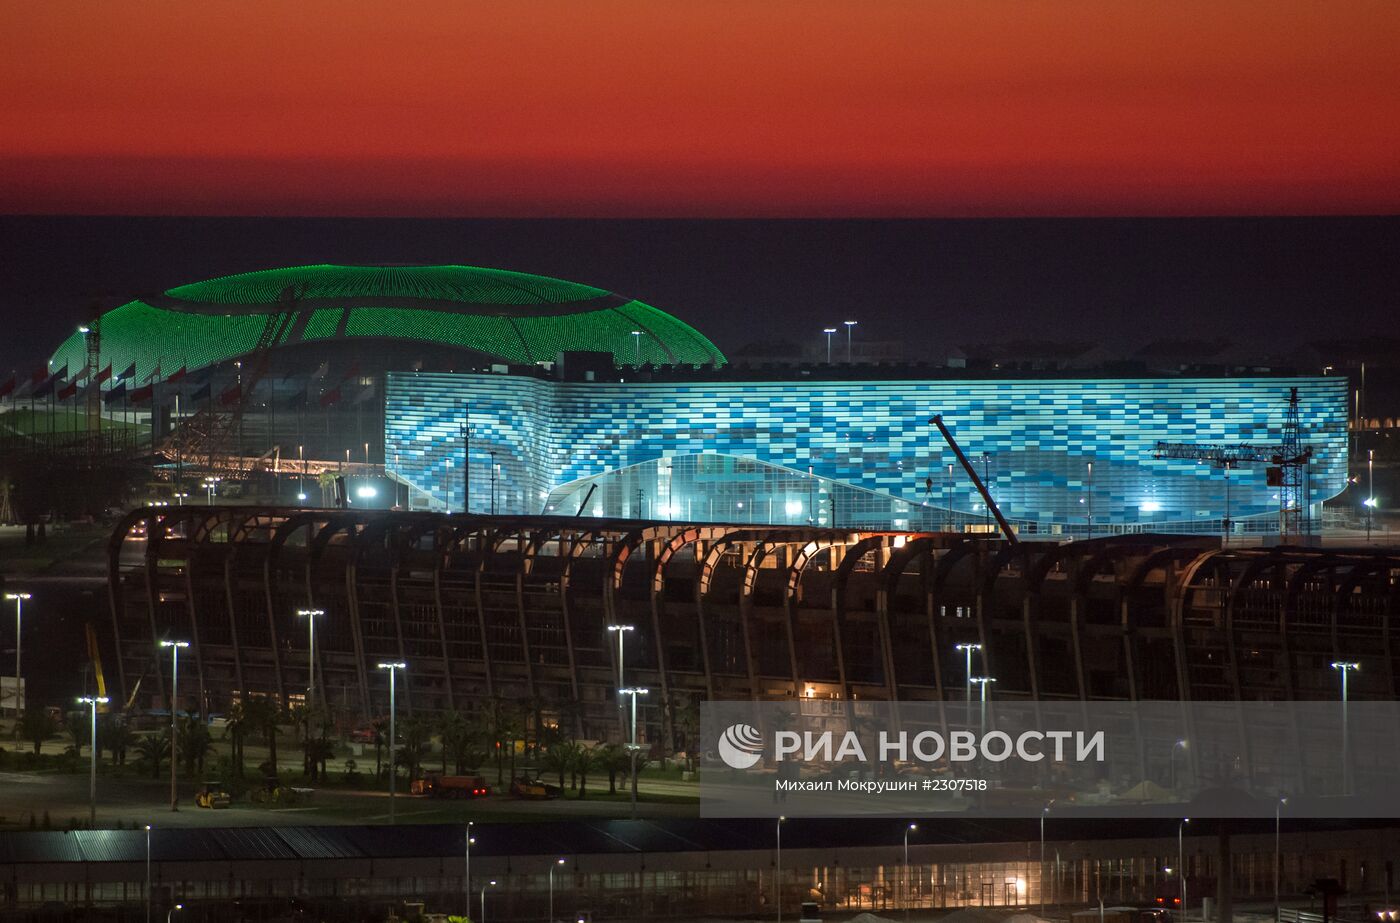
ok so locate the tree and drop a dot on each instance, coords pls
(559, 759)
(154, 749)
(37, 726)
(452, 729)
(585, 761)
(235, 730)
(265, 715)
(615, 759)
(319, 751)
(116, 736)
(417, 733)
(506, 728)
(325, 480)
(688, 725)
(193, 743)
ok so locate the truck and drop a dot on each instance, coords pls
(437, 785)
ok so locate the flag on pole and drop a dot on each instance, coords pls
(45, 387)
(7, 387)
(155, 373)
(142, 394)
(129, 372)
(330, 397)
(68, 390)
(103, 375)
(39, 374)
(178, 375)
(114, 393)
(232, 396)
(202, 394)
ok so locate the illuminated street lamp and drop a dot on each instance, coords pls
(467, 872)
(828, 331)
(557, 863)
(18, 599)
(634, 692)
(172, 910)
(849, 325)
(211, 489)
(489, 884)
(148, 873)
(92, 750)
(1043, 812)
(174, 707)
(967, 650)
(984, 682)
(621, 631)
(1278, 816)
(1179, 745)
(1345, 667)
(393, 668)
(637, 347)
(1181, 861)
(310, 616)
(907, 830)
(1370, 501)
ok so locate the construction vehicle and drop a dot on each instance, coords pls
(532, 788)
(213, 795)
(437, 785)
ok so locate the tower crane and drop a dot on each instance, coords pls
(1287, 463)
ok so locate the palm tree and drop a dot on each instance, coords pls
(325, 480)
(417, 745)
(319, 751)
(265, 715)
(116, 736)
(37, 726)
(235, 729)
(615, 759)
(192, 739)
(506, 726)
(559, 758)
(585, 761)
(688, 724)
(452, 728)
(154, 749)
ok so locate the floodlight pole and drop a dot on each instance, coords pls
(93, 701)
(174, 707)
(19, 599)
(148, 873)
(467, 872)
(393, 741)
(310, 615)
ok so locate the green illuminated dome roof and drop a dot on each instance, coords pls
(510, 316)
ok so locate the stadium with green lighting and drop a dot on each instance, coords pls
(463, 315)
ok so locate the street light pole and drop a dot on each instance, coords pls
(483, 899)
(828, 331)
(1345, 667)
(19, 599)
(310, 616)
(92, 751)
(393, 740)
(621, 630)
(551, 888)
(1043, 811)
(1090, 496)
(148, 873)
(967, 649)
(1181, 861)
(1278, 815)
(907, 888)
(637, 348)
(634, 692)
(849, 325)
(174, 707)
(984, 682)
(467, 872)
(1179, 745)
(1370, 490)
(778, 877)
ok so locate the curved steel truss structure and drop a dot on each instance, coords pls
(516, 609)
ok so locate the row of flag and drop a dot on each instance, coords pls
(42, 383)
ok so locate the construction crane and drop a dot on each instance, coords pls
(1006, 530)
(1287, 469)
(209, 432)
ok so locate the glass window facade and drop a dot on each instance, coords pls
(857, 453)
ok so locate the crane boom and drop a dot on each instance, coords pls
(937, 420)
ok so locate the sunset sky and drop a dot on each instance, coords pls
(700, 108)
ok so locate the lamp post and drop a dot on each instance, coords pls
(148, 873)
(310, 616)
(393, 739)
(637, 348)
(171, 912)
(1179, 745)
(1043, 812)
(634, 692)
(1345, 667)
(18, 599)
(489, 884)
(1278, 821)
(94, 701)
(621, 631)
(1089, 495)
(907, 830)
(828, 331)
(967, 650)
(778, 876)
(174, 707)
(1370, 490)
(1181, 861)
(849, 324)
(556, 864)
(984, 682)
(467, 871)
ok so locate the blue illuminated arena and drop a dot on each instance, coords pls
(858, 453)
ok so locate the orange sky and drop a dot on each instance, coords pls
(700, 107)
